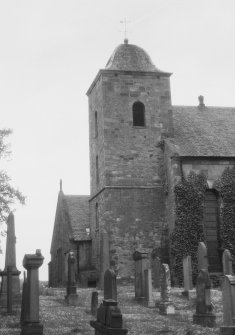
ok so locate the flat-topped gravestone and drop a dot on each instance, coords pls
(94, 303)
(227, 263)
(166, 306)
(148, 288)
(110, 285)
(202, 256)
(141, 263)
(10, 261)
(187, 271)
(228, 299)
(71, 297)
(204, 315)
(156, 271)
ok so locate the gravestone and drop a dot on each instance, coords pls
(228, 299)
(24, 300)
(10, 261)
(227, 263)
(109, 318)
(204, 315)
(156, 267)
(31, 324)
(166, 306)
(104, 257)
(71, 297)
(110, 285)
(202, 257)
(148, 288)
(141, 263)
(94, 303)
(187, 270)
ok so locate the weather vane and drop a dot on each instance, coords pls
(125, 28)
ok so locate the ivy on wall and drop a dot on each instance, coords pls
(188, 232)
(225, 185)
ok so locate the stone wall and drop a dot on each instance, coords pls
(133, 219)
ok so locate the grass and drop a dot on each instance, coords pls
(58, 318)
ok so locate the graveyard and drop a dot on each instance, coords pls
(148, 304)
(58, 317)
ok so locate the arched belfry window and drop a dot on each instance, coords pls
(138, 114)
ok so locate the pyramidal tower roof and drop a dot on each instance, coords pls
(130, 57)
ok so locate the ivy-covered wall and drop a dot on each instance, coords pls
(189, 195)
(188, 232)
(225, 185)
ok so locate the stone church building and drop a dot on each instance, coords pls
(141, 146)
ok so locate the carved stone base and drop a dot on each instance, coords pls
(32, 328)
(101, 329)
(166, 307)
(72, 299)
(204, 320)
(227, 330)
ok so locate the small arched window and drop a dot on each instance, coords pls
(138, 114)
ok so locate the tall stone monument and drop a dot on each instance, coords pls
(10, 261)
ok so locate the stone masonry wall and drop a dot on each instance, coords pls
(133, 218)
(132, 155)
(96, 143)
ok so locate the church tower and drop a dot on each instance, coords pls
(129, 115)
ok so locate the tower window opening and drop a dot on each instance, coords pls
(96, 124)
(96, 216)
(97, 169)
(138, 114)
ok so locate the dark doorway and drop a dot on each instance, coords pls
(211, 230)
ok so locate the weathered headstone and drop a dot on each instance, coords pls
(104, 257)
(187, 270)
(166, 306)
(148, 288)
(109, 317)
(227, 263)
(141, 263)
(94, 303)
(10, 261)
(24, 302)
(228, 299)
(71, 296)
(202, 257)
(204, 315)
(156, 267)
(110, 285)
(31, 323)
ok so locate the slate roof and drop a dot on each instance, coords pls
(204, 132)
(130, 57)
(78, 210)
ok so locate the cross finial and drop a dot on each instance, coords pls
(124, 21)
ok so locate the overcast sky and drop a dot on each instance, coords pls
(50, 52)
